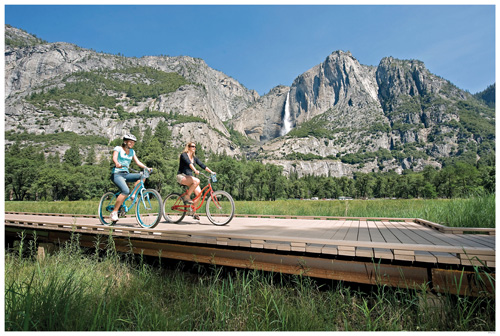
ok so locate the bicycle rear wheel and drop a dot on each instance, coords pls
(106, 206)
(173, 208)
(220, 208)
(149, 209)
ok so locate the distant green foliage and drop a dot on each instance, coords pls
(102, 89)
(239, 139)
(181, 118)
(477, 119)
(408, 106)
(19, 42)
(161, 82)
(487, 96)
(307, 157)
(57, 138)
(315, 127)
(403, 127)
(29, 175)
(379, 127)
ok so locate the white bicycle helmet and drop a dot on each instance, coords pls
(129, 137)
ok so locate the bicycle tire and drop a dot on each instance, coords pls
(149, 209)
(220, 208)
(171, 215)
(106, 205)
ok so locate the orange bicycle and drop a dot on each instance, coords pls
(219, 207)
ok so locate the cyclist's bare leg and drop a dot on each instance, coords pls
(119, 201)
(197, 191)
(192, 183)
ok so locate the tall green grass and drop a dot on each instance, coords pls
(467, 212)
(476, 211)
(101, 290)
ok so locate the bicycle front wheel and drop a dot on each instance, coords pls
(106, 206)
(149, 209)
(220, 208)
(173, 209)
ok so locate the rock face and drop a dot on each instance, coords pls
(345, 116)
(263, 120)
(342, 108)
(339, 83)
(213, 97)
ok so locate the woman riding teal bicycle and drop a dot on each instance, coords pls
(120, 175)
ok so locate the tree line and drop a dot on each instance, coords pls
(32, 175)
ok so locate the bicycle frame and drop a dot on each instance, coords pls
(137, 191)
(186, 207)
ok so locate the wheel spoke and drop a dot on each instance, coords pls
(149, 209)
(106, 206)
(220, 208)
(173, 208)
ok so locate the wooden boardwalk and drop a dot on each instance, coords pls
(389, 239)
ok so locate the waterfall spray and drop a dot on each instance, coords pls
(287, 123)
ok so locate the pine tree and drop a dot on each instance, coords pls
(72, 156)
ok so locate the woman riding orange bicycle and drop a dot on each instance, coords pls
(185, 174)
(219, 206)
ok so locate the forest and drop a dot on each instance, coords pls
(31, 174)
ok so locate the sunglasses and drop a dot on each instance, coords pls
(192, 146)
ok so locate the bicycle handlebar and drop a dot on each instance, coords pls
(145, 173)
(211, 177)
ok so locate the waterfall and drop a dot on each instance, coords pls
(287, 123)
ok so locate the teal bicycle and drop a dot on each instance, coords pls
(147, 202)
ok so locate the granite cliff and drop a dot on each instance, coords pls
(343, 116)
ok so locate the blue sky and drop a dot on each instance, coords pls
(263, 46)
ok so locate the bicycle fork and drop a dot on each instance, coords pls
(216, 201)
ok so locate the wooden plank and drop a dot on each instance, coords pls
(446, 258)
(432, 236)
(341, 231)
(487, 240)
(352, 233)
(329, 249)
(383, 254)
(415, 231)
(404, 257)
(424, 256)
(364, 231)
(365, 252)
(376, 236)
(465, 240)
(398, 229)
(350, 252)
(482, 240)
(437, 238)
(314, 248)
(387, 233)
(472, 262)
(364, 235)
